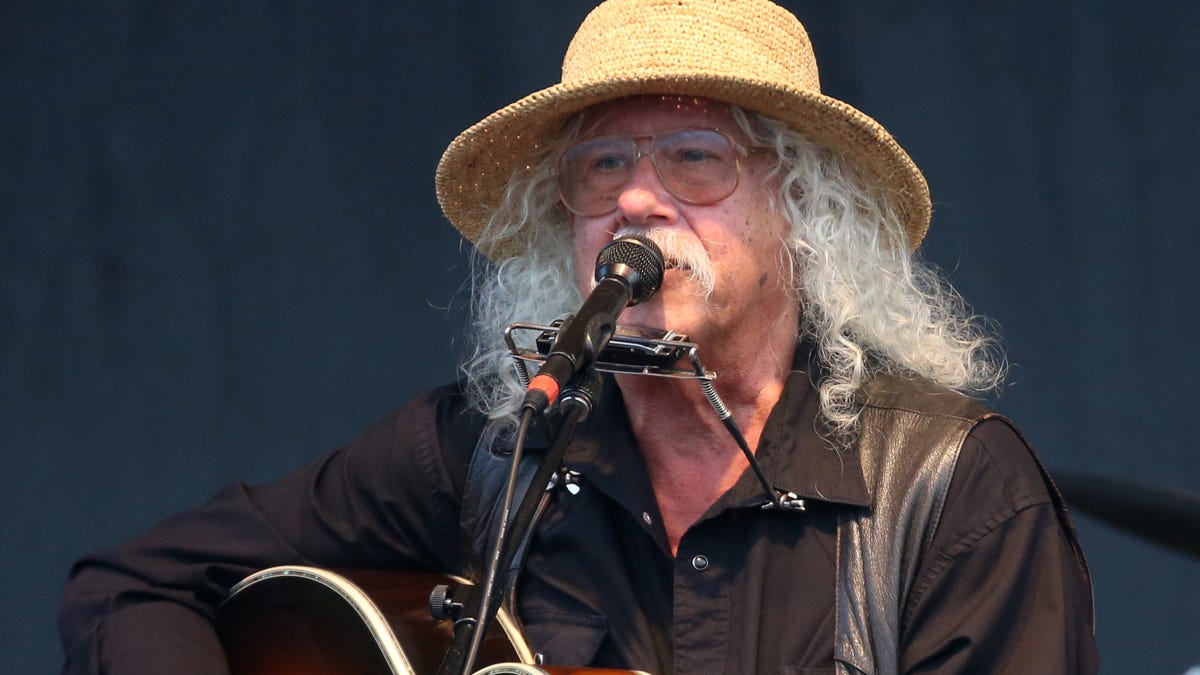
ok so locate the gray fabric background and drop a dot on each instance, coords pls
(221, 254)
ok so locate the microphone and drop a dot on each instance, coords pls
(629, 270)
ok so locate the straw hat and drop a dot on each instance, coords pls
(750, 53)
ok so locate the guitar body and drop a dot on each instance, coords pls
(296, 620)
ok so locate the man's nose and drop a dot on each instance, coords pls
(645, 198)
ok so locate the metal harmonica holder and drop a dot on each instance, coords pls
(631, 351)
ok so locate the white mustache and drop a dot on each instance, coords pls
(683, 252)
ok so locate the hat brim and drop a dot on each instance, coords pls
(479, 163)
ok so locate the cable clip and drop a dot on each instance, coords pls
(787, 501)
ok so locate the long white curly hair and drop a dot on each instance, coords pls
(867, 304)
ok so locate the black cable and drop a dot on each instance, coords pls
(483, 615)
(775, 498)
(575, 404)
(772, 496)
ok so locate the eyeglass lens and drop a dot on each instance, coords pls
(699, 166)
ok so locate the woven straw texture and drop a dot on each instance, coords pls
(751, 53)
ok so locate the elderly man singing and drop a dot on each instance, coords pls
(877, 520)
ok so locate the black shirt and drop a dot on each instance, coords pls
(750, 590)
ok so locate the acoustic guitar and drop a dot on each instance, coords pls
(295, 620)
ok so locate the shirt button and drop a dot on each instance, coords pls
(646, 518)
(700, 563)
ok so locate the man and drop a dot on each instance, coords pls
(929, 538)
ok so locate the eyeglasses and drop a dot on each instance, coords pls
(698, 166)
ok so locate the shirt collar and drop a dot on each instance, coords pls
(794, 453)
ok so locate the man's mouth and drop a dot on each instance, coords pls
(683, 253)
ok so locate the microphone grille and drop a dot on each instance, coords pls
(642, 255)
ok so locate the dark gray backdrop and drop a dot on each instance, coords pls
(221, 253)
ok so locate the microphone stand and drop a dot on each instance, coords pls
(576, 402)
(628, 270)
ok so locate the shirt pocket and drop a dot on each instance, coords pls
(565, 638)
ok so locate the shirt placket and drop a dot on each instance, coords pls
(702, 585)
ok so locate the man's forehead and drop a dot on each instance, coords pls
(630, 110)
